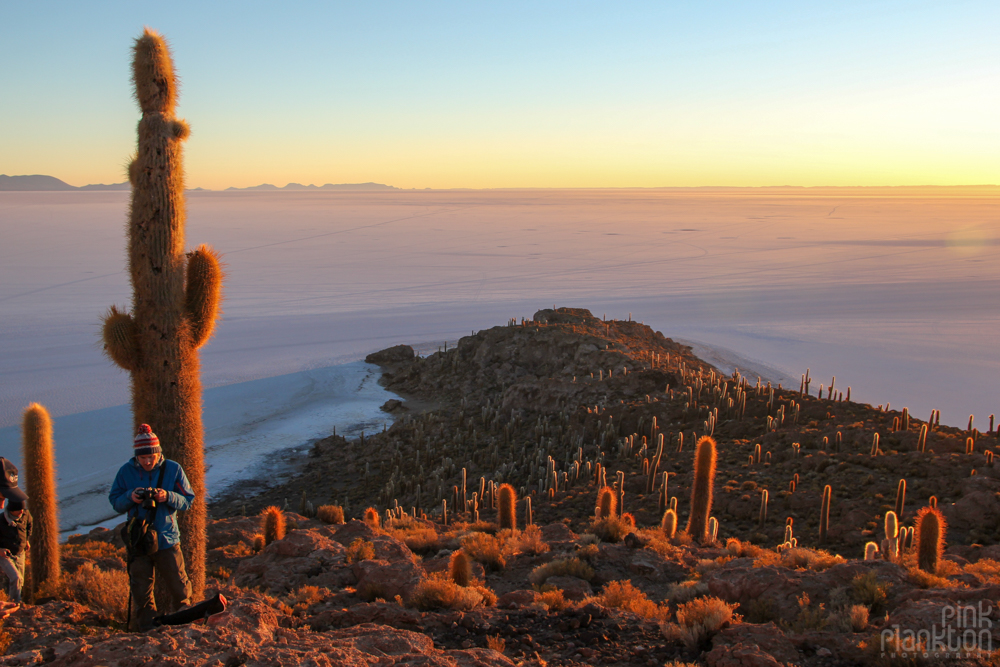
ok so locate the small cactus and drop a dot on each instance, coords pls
(38, 454)
(506, 501)
(372, 518)
(701, 489)
(824, 513)
(871, 551)
(274, 524)
(607, 503)
(459, 568)
(762, 516)
(669, 524)
(900, 498)
(930, 531)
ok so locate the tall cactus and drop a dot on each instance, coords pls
(701, 489)
(930, 531)
(506, 501)
(175, 297)
(38, 455)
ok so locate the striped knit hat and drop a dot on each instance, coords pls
(146, 441)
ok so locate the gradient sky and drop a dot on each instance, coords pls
(517, 94)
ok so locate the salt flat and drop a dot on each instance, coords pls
(893, 291)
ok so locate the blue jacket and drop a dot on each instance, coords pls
(179, 496)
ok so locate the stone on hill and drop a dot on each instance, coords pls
(391, 355)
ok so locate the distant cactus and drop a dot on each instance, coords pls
(762, 516)
(669, 524)
(891, 526)
(459, 568)
(824, 513)
(528, 520)
(274, 524)
(900, 498)
(607, 503)
(701, 489)
(930, 532)
(38, 455)
(713, 529)
(175, 297)
(372, 518)
(506, 501)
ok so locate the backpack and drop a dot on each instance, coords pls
(140, 538)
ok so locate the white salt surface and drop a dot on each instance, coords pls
(894, 292)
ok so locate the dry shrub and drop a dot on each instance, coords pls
(221, 573)
(478, 527)
(613, 528)
(496, 643)
(306, 597)
(485, 549)
(801, 558)
(332, 514)
(686, 591)
(987, 571)
(866, 589)
(529, 541)
(418, 539)
(238, 550)
(94, 550)
(564, 567)
(809, 617)
(104, 592)
(928, 580)
(359, 550)
(589, 553)
(439, 592)
(554, 600)
(857, 616)
(741, 549)
(699, 620)
(623, 595)
(5, 640)
(656, 541)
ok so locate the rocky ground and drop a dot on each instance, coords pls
(548, 406)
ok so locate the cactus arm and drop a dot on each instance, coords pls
(120, 341)
(203, 293)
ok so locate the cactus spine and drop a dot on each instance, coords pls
(506, 499)
(701, 489)
(274, 524)
(930, 530)
(175, 297)
(38, 454)
(824, 513)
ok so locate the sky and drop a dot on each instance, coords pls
(516, 94)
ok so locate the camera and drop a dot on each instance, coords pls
(147, 496)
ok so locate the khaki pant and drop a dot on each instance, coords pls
(169, 563)
(14, 569)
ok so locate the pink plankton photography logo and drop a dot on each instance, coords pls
(965, 631)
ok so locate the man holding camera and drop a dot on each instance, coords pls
(153, 488)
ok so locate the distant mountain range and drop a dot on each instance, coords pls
(39, 182)
(328, 186)
(49, 183)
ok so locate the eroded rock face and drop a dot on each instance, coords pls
(750, 645)
(302, 558)
(391, 355)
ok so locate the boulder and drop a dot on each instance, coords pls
(391, 355)
(751, 645)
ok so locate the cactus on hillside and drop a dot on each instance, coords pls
(506, 501)
(900, 498)
(372, 518)
(762, 516)
(824, 513)
(459, 568)
(38, 455)
(274, 524)
(669, 524)
(701, 489)
(607, 504)
(930, 531)
(175, 297)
